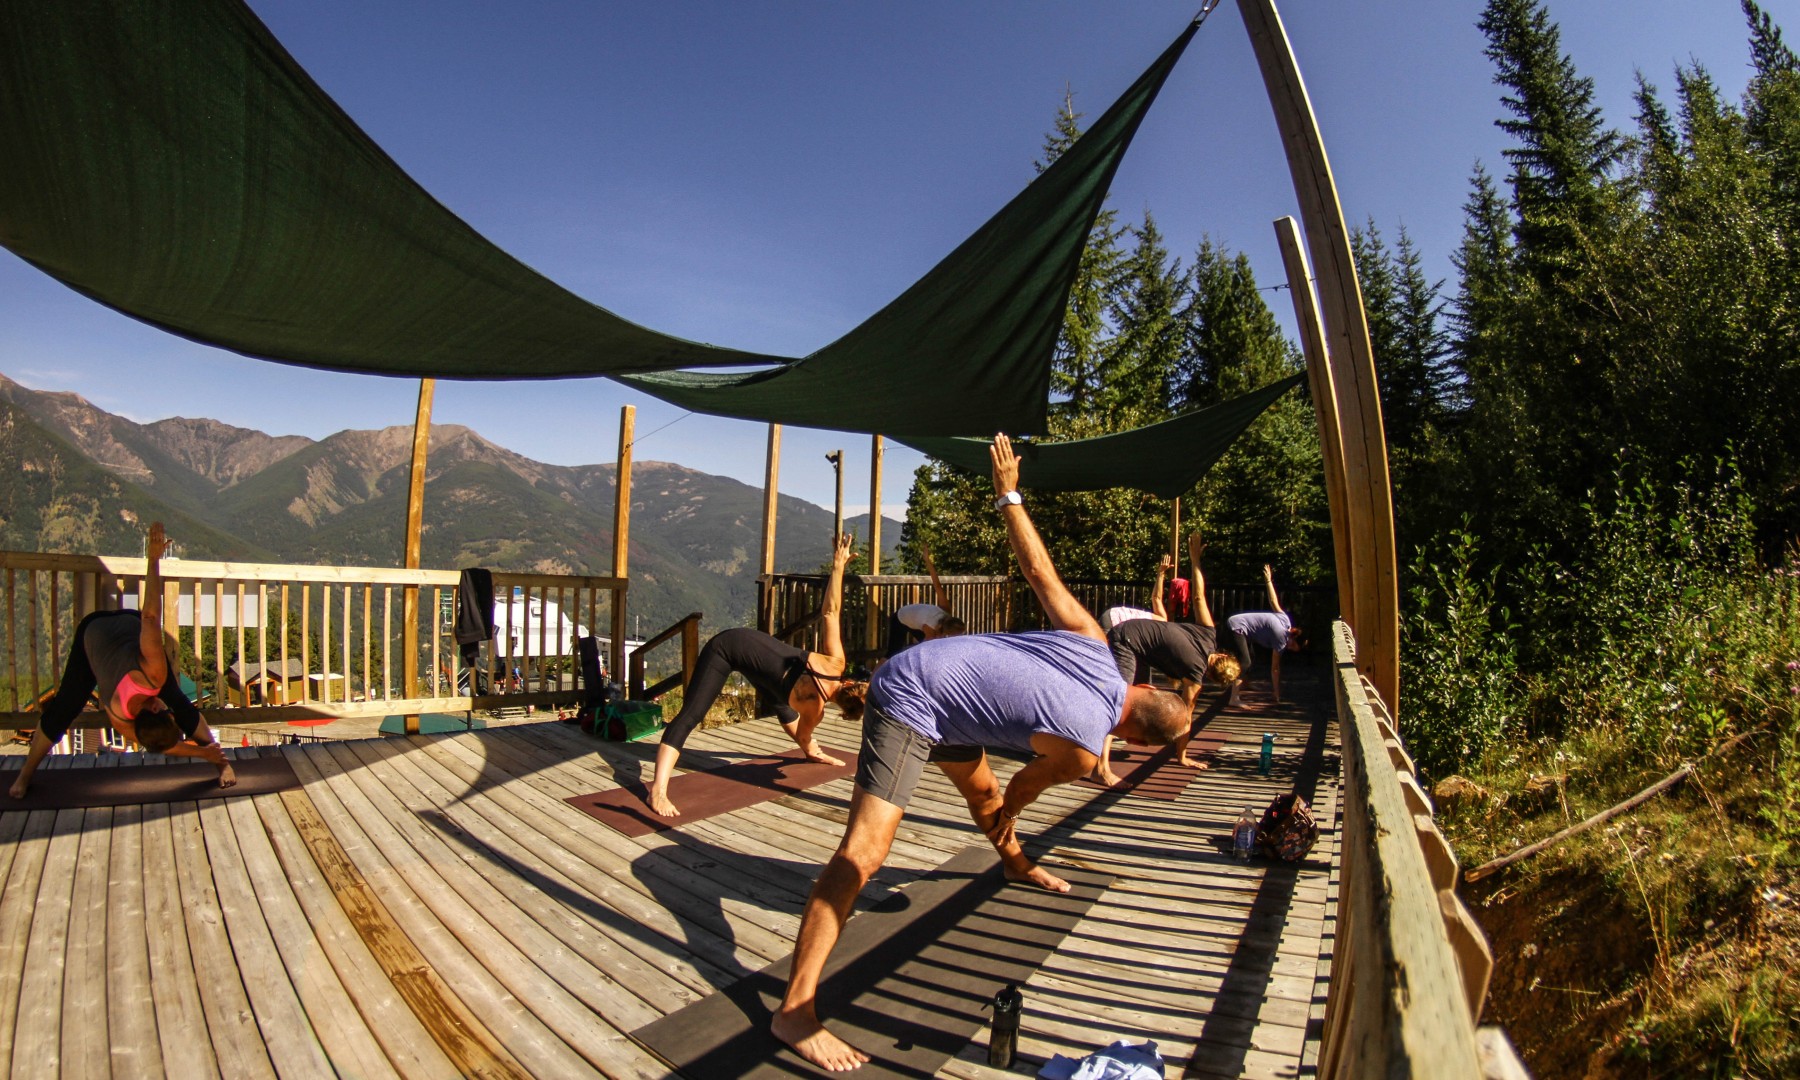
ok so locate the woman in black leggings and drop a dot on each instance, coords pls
(801, 683)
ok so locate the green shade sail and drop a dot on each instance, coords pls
(967, 348)
(169, 159)
(1165, 459)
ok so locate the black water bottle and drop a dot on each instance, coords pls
(1003, 1037)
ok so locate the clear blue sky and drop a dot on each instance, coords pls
(766, 175)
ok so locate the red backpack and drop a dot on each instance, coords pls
(1181, 601)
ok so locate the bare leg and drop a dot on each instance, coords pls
(39, 747)
(981, 790)
(867, 837)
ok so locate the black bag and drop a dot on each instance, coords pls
(1287, 830)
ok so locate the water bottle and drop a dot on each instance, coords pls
(1003, 1036)
(1267, 764)
(1243, 837)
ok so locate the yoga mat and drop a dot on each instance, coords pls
(127, 785)
(1155, 774)
(905, 985)
(700, 795)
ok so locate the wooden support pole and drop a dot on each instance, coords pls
(837, 508)
(1175, 534)
(415, 525)
(1324, 398)
(622, 533)
(875, 504)
(765, 606)
(1369, 495)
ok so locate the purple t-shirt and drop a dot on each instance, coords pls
(999, 690)
(1267, 628)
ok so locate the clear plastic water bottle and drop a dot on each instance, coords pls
(1243, 837)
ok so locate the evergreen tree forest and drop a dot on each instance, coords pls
(1594, 435)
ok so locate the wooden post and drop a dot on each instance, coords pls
(875, 504)
(771, 477)
(622, 532)
(1175, 534)
(837, 508)
(415, 520)
(1369, 498)
(1324, 396)
(871, 612)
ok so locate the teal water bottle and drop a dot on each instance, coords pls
(1267, 764)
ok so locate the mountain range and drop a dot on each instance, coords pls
(85, 481)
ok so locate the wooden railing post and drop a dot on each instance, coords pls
(415, 524)
(765, 613)
(622, 532)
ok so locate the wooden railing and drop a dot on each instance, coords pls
(991, 604)
(687, 631)
(1410, 967)
(265, 643)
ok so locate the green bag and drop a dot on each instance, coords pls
(627, 721)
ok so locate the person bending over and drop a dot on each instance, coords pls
(924, 622)
(1185, 652)
(119, 655)
(1273, 630)
(800, 682)
(1056, 694)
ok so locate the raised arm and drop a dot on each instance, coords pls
(151, 659)
(831, 612)
(1269, 583)
(1157, 607)
(938, 595)
(1064, 611)
(1197, 589)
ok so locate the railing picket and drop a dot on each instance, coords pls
(12, 650)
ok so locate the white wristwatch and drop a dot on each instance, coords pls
(1011, 498)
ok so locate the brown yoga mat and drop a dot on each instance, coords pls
(1156, 774)
(906, 984)
(700, 795)
(126, 785)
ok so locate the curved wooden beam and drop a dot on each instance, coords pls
(1368, 520)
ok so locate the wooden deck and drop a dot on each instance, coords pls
(430, 907)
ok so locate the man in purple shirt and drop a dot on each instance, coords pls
(1273, 630)
(1056, 694)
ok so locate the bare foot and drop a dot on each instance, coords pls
(661, 806)
(19, 787)
(1038, 876)
(1104, 776)
(1192, 764)
(817, 753)
(802, 1031)
(227, 776)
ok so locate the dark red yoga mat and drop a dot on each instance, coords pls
(127, 785)
(700, 795)
(1156, 774)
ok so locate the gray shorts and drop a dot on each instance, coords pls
(893, 757)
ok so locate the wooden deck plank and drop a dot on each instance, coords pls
(547, 844)
(257, 912)
(230, 1020)
(131, 1028)
(672, 882)
(372, 846)
(559, 908)
(185, 1048)
(85, 1037)
(37, 1041)
(409, 1048)
(518, 914)
(24, 837)
(463, 1037)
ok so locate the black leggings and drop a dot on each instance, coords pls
(1241, 643)
(771, 665)
(78, 682)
